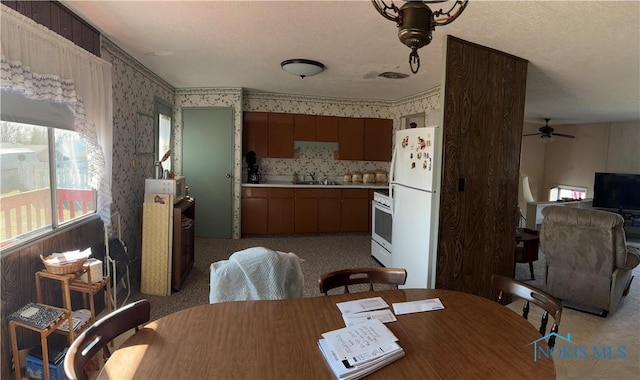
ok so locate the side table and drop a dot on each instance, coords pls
(526, 248)
(72, 282)
(65, 316)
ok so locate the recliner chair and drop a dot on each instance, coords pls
(589, 265)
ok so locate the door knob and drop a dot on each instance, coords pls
(228, 175)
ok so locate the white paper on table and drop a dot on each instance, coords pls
(352, 341)
(417, 306)
(385, 316)
(365, 304)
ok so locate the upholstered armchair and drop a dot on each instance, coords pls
(589, 265)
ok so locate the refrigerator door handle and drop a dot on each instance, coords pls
(392, 169)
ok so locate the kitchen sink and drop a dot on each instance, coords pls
(317, 183)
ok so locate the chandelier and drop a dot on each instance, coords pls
(416, 21)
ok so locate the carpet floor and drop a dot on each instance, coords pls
(325, 253)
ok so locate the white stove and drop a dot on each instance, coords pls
(381, 223)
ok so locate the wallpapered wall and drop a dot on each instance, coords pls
(134, 89)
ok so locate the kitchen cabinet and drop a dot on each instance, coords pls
(350, 138)
(355, 210)
(254, 210)
(378, 134)
(280, 212)
(255, 132)
(280, 135)
(306, 210)
(329, 211)
(327, 128)
(317, 210)
(304, 127)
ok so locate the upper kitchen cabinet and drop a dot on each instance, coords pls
(378, 134)
(327, 128)
(255, 126)
(280, 135)
(351, 138)
(304, 127)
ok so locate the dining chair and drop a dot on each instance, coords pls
(353, 276)
(528, 293)
(100, 334)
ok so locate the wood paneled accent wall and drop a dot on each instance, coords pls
(61, 20)
(483, 104)
(17, 280)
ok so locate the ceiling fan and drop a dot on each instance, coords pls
(547, 132)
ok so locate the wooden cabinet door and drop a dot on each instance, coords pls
(281, 211)
(306, 211)
(350, 138)
(254, 216)
(304, 127)
(280, 135)
(327, 128)
(306, 215)
(355, 210)
(254, 210)
(329, 210)
(378, 134)
(255, 132)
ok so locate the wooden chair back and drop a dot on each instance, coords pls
(531, 294)
(352, 276)
(100, 334)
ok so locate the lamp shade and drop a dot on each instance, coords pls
(302, 67)
(524, 191)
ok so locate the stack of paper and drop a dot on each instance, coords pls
(356, 351)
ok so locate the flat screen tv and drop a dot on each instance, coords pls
(616, 191)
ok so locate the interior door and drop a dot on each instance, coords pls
(207, 164)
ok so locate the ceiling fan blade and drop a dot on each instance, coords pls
(533, 134)
(563, 135)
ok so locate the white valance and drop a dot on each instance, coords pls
(39, 65)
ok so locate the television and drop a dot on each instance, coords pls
(616, 191)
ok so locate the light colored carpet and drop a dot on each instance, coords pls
(326, 253)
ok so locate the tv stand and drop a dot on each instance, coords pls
(534, 210)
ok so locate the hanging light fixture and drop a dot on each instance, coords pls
(416, 21)
(302, 67)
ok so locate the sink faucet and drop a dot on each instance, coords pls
(313, 176)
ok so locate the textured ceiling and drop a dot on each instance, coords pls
(584, 56)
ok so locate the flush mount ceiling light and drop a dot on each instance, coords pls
(302, 67)
(416, 21)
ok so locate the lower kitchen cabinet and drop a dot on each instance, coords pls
(306, 215)
(355, 210)
(254, 210)
(280, 213)
(304, 211)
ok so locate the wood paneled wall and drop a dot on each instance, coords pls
(61, 20)
(17, 280)
(483, 105)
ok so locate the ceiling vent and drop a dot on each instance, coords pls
(393, 75)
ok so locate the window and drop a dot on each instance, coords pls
(36, 162)
(567, 193)
(162, 115)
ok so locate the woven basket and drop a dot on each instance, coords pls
(70, 267)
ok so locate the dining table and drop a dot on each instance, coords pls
(470, 338)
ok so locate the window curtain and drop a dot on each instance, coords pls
(39, 65)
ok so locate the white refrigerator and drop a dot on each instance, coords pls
(411, 190)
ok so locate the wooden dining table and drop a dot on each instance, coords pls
(471, 338)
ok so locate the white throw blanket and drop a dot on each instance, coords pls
(256, 273)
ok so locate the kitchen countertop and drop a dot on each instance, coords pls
(347, 185)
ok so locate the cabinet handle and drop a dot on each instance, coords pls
(228, 175)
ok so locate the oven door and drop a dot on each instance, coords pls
(381, 222)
